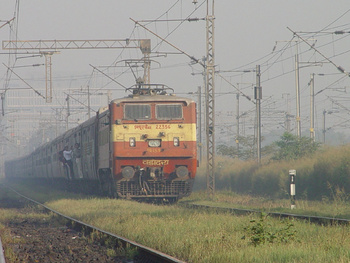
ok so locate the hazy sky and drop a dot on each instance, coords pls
(245, 35)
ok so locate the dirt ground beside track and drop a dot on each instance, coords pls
(36, 240)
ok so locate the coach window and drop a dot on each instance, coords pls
(137, 111)
(169, 111)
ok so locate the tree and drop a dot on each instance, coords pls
(291, 147)
(247, 149)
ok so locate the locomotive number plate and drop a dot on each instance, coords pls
(163, 126)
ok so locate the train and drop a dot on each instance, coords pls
(142, 146)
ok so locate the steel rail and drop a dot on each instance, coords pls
(314, 219)
(155, 255)
(2, 256)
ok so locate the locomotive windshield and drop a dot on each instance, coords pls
(137, 111)
(169, 111)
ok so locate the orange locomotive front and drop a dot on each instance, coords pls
(153, 145)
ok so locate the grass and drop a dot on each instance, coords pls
(337, 208)
(197, 236)
(11, 214)
(7, 239)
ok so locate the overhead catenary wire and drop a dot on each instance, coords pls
(270, 65)
(337, 19)
(36, 92)
(108, 76)
(267, 65)
(7, 22)
(343, 77)
(271, 55)
(170, 44)
(187, 19)
(330, 61)
(79, 102)
(188, 55)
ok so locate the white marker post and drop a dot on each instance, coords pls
(292, 174)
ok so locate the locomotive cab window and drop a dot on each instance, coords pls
(169, 111)
(137, 111)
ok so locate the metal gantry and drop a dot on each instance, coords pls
(210, 103)
(49, 47)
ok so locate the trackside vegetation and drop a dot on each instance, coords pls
(338, 207)
(195, 236)
(321, 171)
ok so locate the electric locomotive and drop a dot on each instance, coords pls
(153, 144)
(140, 146)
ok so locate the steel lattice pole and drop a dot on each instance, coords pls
(210, 90)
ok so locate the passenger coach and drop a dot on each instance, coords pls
(140, 146)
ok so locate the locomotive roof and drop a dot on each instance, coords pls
(153, 98)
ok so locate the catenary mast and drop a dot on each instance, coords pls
(210, 103)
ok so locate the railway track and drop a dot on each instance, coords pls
(2, 256)
(145, 254)
(314, 219)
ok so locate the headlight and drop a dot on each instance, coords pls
(181, 171)
(176, 141)
(128, 172)
(154, 143)
(132, 142)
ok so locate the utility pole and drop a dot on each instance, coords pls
(210, 105)
(88, 94)
(237, 119)
(200, 122)
(68, 112)
(287, 113)
(287, 120)
(109, 95)
(210, 91)
(297, 92)
(312, 107)
(258, 96)
(324, 126)
(298, 124)
(204, 61)
(324, 122)
(297, 82)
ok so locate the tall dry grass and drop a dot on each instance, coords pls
(317, 177)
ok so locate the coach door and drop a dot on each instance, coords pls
(88, 155)
(103, 142)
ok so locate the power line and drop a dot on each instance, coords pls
(330, 61)
(108, 77)
(343, 77)
(37, 92)
(347, 11)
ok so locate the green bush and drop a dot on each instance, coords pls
(260, 232)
